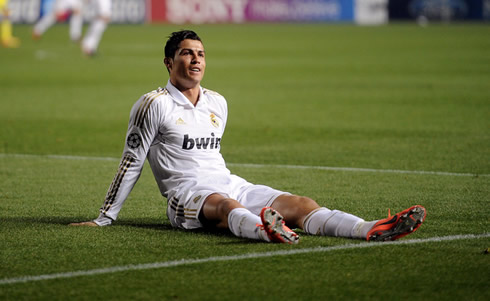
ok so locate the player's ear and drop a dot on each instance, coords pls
(168, 63)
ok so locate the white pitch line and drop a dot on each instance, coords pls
(174, 263)
(64, 157)
(354, 169)
(250, 165)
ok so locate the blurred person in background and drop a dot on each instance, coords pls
(98, 25)
(62, 9)
(6, 37)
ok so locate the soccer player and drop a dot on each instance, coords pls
(60, 12)
(179, 130)
(97, 27)
(6, 37)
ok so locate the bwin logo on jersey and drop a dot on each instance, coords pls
(201, 143)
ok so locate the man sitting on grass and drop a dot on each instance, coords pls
(179, 129)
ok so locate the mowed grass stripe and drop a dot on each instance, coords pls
(175, 263)
(288, 166)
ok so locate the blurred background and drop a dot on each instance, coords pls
(240, 11)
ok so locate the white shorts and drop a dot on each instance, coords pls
(103, 8)
(97, 8)
(183, 208)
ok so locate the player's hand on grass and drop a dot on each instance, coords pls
(86, 224)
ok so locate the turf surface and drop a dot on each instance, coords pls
(397, 97)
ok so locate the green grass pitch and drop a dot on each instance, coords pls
(372, 99)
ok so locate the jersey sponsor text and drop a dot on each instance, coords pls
(201, 143)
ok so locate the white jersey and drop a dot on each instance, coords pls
(180, 140)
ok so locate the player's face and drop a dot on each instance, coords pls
(188, 65)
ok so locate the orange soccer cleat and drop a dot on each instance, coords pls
(398, 225)
(275, 227)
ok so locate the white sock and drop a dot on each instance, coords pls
(328, 222)
(244, 223)
(92, 39)
(76, 23)
(46, 22)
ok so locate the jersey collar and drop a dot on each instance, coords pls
(179, 98)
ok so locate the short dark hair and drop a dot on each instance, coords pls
(175, 38)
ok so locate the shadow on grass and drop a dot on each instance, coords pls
(66, 220)
(228, 237)
(53, 220)
(166, 226)
(142, 223)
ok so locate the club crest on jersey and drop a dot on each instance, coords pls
(134, 140)
(214, 121)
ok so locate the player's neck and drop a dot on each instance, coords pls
(192, 93)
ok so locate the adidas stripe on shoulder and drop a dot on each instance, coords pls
(148, 99)
(211, 92)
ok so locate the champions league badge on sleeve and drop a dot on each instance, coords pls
(134, 140)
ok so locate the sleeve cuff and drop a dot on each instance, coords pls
(103, 220)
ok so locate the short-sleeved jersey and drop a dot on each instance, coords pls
(181, 142)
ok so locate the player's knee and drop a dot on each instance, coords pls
(295, 208)
(299, 203)
(303, 206)
(226, 205)
(216, 209)
(309, 204)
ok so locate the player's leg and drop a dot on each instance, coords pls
(97, 28)
(305, 213)
(294, 208)
(76, 21)
(59, 9)
(226, 213)
(43, 25)
(76, 24)
(6, 37)
(257, 199)
(91, 41)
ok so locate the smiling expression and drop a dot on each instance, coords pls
(188, 64)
